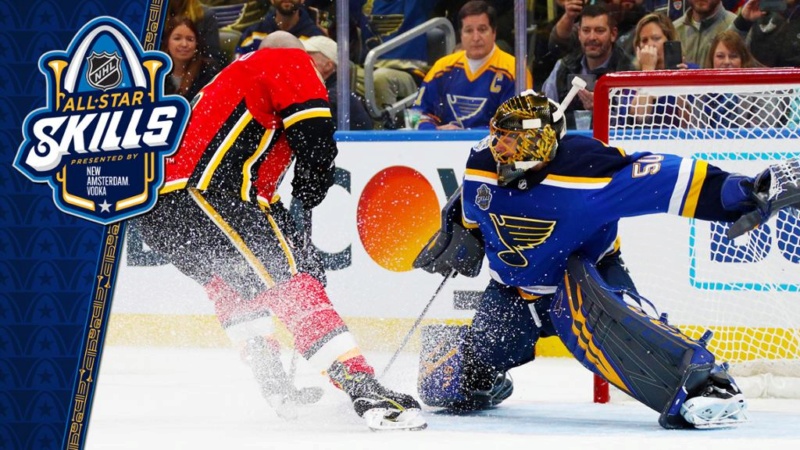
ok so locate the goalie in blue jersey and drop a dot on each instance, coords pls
(544, 208)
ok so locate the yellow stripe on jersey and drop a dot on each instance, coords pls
(693, 194)
(247, 170)
(249, 39)
(484, 176)
(219, 154)
(233, 237)
(286, 250)
(173, 186)
(306, 114)
(527, 296)
(576, 182)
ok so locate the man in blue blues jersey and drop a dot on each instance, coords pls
(545, 209)
(464, 89)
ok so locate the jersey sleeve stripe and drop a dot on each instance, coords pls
(568, 182)
(693, 196)
(219, 154)
(481, 176)
(306, 114)
(681, 187)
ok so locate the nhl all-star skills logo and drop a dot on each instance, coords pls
(101, 141)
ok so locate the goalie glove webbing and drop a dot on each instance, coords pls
(776, 188)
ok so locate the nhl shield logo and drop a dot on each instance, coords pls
(101, 141)
(104, 71)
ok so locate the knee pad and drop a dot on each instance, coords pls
(644, 356)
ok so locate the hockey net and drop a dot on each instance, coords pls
(747, 290)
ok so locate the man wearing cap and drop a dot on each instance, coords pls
(324, 53)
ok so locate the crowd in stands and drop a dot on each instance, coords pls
(586, 38)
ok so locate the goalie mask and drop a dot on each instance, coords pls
(524, 134)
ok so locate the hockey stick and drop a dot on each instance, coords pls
(577, 85)
(417, 322)
(305, 241)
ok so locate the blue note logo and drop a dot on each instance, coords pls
(101, 141)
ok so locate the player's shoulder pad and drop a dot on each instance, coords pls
(480, 157)
(582, 156)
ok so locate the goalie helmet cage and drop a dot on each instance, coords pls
(744, 290)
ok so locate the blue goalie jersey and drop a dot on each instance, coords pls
(574, 204)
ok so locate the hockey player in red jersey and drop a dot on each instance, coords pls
(261, 113)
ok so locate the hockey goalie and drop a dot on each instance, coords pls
(544, 209)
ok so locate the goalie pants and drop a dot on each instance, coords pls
(504, 333)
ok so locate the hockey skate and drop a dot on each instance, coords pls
(487, 392)
(381, 408)
(719, 405)
(276, 386)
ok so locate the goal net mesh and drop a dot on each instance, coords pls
(747, 290)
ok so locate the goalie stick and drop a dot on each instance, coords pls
(417, 322)
(782, 192)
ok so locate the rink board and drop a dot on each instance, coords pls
(384, 207)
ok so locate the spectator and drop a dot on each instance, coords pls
(598, 54)
(775, 40)
(324, 53)
(464, 89)
(400, 71)
(728, 51)
(626, 14)
(207, 26)
(191, 70)
(286, 15)
(698, 26)
(651, 32)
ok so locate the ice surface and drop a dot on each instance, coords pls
(167, 398)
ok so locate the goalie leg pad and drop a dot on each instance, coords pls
(646, 357)
(448, 378)
(441, 376)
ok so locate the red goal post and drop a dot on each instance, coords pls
(748, 292)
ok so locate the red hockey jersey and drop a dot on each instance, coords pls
(247, 125)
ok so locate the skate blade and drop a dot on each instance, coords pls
(383, 419)
(717, 415)
(727, 423)
(285, 408)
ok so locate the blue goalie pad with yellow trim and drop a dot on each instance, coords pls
(642, 355)
(441, 376)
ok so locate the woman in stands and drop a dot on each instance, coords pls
(206, 24)
(191, 70)
(666, 111)
(729, 51)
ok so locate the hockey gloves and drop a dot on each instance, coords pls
(311, 187)
(775, 188)
(453, 246)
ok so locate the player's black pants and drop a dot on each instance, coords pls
(207, 234)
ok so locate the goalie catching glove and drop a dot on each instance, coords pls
(453, 247)
(775, 188)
